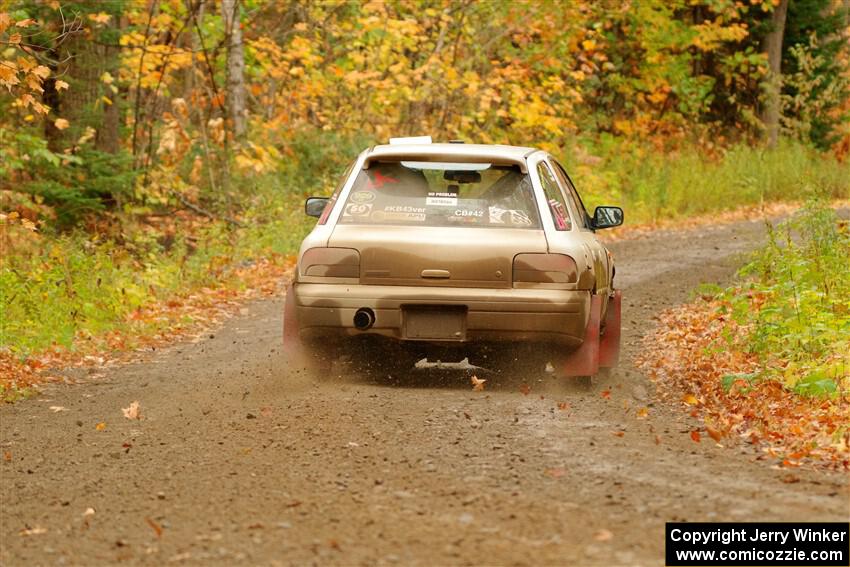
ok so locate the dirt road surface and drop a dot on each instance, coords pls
(234, 463)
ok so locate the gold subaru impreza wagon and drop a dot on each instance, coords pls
(433, 249)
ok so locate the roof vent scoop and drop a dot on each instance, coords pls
(410, 140)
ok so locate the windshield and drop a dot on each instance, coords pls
(441, 194)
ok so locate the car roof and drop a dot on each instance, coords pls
(475, 153)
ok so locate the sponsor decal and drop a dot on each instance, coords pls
(469, 213)
(362, 197)
(441, 199)
(404, 209)
(515, 217)
(407, 216)
(357, 209)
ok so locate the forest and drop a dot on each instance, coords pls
(155, 149)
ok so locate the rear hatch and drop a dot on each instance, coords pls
(437, 256)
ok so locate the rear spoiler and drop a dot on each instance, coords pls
(426, 153)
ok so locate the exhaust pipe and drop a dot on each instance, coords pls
(364, 318)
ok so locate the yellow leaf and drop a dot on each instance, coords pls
(101, 18)
(61, 123)
(25, 23)
(100, 426)
(41, 71)
(107, 78)
(690, 399)
(588, 44)
(61, 85)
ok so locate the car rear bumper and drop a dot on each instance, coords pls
(326, 312)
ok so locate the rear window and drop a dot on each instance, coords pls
(441, 194)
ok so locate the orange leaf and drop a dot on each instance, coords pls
(557, 472)
(156, 527)
(100, 426)
(690, 399)
(605, 394)
(525, 389)
(695, 435)
(714, 434)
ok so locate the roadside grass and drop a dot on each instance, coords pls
(69, 290)
(768, 358)
(654, 188)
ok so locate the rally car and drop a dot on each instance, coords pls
(450, 248)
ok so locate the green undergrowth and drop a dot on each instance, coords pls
(58, 290)
(794, 302)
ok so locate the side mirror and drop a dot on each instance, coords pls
(607, 217)
(315, 206)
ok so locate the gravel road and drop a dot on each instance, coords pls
(234, 462)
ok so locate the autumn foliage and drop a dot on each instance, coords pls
(766, 361)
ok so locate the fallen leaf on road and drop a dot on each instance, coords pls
(549, 368)
(605, 394)
(690, 399)
(293, 504)
(33, 531)
(57, 409)
(714, 434)
(477, 383)
(695, 435)
(100, 426)
(266, 411)
(132, 412)
(618, 433)
(643, 412)
(603, 535)
(155, 527)
(563, 405)
(89, 512)
(524, 389)
(557, 472)
(658, 440)
(7, 456)
(790, 479)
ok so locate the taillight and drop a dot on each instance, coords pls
(331, 263)
(544, 269)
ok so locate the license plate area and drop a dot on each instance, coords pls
(434, 323)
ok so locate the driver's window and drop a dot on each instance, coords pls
(554, 198)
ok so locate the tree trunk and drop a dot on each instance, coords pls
(108, 137)
(235, 67)
(773, 86)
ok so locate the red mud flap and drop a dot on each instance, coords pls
(584, 361)
(609, 346)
